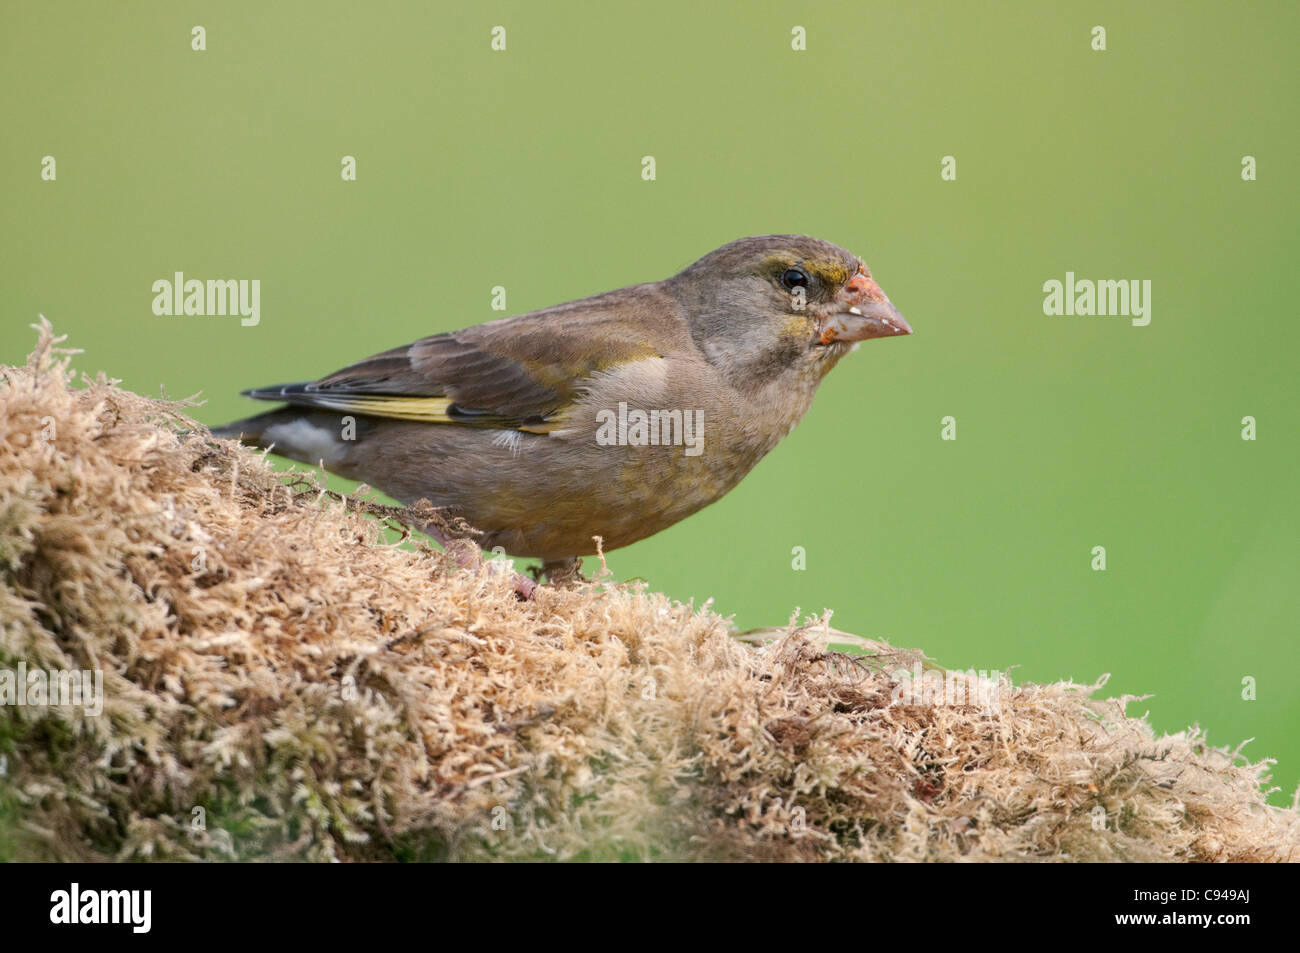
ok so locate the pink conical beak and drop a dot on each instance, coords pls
(869, 314)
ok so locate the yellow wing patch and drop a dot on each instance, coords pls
(426, 409)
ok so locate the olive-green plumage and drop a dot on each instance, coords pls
(513, 424)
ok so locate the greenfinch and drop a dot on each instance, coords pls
(614, 416)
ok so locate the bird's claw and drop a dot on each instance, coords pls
(525, 588)
(562, 573)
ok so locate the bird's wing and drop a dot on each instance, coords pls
(520, 373)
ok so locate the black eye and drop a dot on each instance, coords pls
(795, 278)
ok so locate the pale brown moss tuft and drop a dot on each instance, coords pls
(322, 694)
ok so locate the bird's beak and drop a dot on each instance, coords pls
(868, 314)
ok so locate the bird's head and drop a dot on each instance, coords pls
(762, 306)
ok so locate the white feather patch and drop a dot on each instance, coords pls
(511, 439)
(303, 439)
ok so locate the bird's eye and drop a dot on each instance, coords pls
(795, 278)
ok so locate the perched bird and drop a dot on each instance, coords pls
(613, 416)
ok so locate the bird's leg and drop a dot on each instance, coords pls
(562, 573)
(467, 555)
(525, 588)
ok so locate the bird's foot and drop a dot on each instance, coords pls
(560, 573)
(525, 588)
(466, 555)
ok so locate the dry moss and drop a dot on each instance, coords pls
(276, 670)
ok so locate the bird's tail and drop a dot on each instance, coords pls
(250, 429)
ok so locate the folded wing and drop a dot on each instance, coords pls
(520, 373)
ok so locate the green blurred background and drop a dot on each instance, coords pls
(523, 168)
